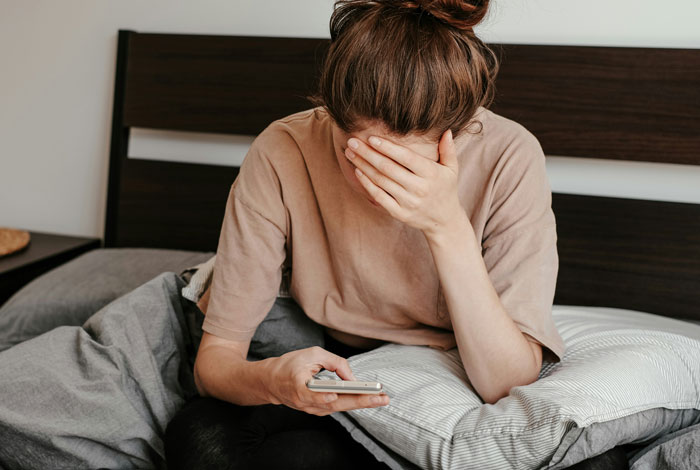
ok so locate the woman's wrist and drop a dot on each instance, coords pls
(228, 377)
(265, 377)
(448, 234)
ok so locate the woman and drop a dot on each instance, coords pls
(406, 212)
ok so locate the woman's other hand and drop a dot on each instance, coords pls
(410, 187)
(289, 373)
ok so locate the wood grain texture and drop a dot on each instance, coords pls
(173, 205)
(224, 84)
(628, 253)
(605, 102)
(636, 104)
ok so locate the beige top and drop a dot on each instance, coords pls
(355, 269)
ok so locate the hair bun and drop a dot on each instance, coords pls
(460, 14)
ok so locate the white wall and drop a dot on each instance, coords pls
(57, 72)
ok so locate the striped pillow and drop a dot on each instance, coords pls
(617, 363)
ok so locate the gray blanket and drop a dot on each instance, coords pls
(101, 395)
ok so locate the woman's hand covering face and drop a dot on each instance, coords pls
(412, 188)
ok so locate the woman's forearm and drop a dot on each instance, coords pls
(222, 373)
(495, 353)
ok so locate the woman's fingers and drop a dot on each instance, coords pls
(382, 181)
(347, 402)
(333, 362)
(378, 194)
(301, 366)
(332, 402)
(413, 188)
(418, 164)
(321, 399)
(386, 164)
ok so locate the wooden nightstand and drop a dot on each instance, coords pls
(45, 252)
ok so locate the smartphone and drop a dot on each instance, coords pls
(343, 386)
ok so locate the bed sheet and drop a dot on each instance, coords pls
(71, 293)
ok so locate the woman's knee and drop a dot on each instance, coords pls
(202, 435)
(209, 433)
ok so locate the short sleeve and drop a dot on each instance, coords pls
(251, 252)
(520, 242)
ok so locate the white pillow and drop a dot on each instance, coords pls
(617, 363)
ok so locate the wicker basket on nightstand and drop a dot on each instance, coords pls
(12, 240)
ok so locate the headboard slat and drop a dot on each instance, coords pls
(173, 205)
(628, 253)
(605, 102)
(222, 84)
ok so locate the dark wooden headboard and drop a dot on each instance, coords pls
(615, 103)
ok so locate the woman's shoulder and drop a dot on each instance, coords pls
(289, 137)
(303, 124)
(303, 118)
(281, 152)
(495, 141)
(496, 128)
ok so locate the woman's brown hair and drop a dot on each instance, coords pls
(414, 66)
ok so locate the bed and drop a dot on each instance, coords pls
(637, 255)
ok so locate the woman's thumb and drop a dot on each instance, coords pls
(447, 151)
(337, 364)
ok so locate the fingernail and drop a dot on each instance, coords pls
(331, 397)
(353, 143)
(379, 400)
(349, 153)
(375, 141)
(449, 133)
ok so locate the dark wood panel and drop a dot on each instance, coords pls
(605, 102)
(627, 253)
(172, 205)
(43, 246)
(223, 84)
